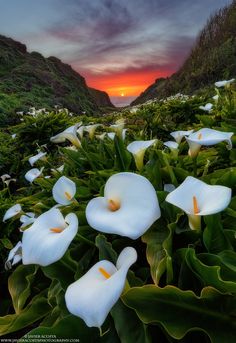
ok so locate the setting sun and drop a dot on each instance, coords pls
(122, 94)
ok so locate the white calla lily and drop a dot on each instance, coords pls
(216, 97)
(129, 206)
(48, 238)
(171, 145)
(37, 157)
(102, 136)
(207, 107)
(207, 137)
(64, 191)
(94, 294)
(15, 256)
(91, 129)
(33, 173)
(27, 219)
(196, 199)
(80, 131)
(13, 136)
(223, 83)
(70, 134)
(169, 187)
(118, 127)
(4, 177)
(178, 135)
(138, 148)
(12, 212)
(111, 135)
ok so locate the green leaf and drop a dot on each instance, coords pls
(127, 321)
(106, 251)
(35, 310)
(214, 237)
(19, 284)
(209, 275)
(179, 312)
(68, 327)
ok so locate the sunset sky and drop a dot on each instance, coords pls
(118, 46)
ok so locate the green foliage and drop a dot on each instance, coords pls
(183, 285)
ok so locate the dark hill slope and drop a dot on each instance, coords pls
(213, 58)
(102, 98)
(29, 79)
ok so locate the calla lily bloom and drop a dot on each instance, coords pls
(171, 145)
(48, 238)
(223, 83)
(27, 219)
(80, 131)
(178, 135)
(6, 178)
(70, 134)
(37, 157)
(138, 148)
(169, 187)
(207, 107)
(12, 212)
(15, 256)
(94, 294)
(129, 206)
(118, 127)
(64, 191)
(111, 135)
(102, 136)
(196, 199)
(32, 174)
(207, 137)
(91, 129)
(215, 97)
(13, 136)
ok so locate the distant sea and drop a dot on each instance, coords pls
(120, 101)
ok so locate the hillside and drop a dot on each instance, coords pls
(101, 98)
(29, 79)
(213, 58)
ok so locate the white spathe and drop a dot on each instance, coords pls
(91, 129)
(171, 145)
(70, 134)
(178, 135)
(33, 173)
(37, 157)
(111, 135)
(169, 187)
(48, 238)
(129, 206)
(196, 198)
(80, 131)
(118, 127)
(15, 256)
(27, 219)
(95, 293)
(102, 136)
(207, 137)
(223, 83)
(207, 107)
(138, 148)
(12, 212)
(64, 191)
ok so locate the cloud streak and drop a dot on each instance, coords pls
(111, 41)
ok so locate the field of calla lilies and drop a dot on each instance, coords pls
(121, 228)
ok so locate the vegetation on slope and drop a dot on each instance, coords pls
(213, 58)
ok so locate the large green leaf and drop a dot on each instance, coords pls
(127, 322)
(208, 274)
(69, 327)
(35, 310)
(19, 284)
(214, 237)
(180, 312)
